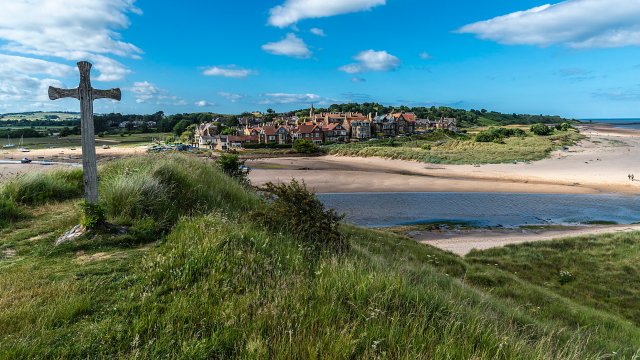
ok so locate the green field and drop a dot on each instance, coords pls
(197, 277)
(39, 116)
(448, 149)
(74, 140)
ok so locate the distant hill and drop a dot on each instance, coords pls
(40, 115)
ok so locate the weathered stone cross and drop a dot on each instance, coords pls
(86, 94)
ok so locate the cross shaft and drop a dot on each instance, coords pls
(86, 94)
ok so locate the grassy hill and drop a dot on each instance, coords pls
(38, 115)
(197, 276)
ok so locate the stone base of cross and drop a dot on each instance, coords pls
(86, 94)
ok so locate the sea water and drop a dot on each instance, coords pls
(619, 123)
(483, 209)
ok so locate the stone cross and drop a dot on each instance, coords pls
(86, 94)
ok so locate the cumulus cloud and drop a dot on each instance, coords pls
(232, 97)
(147, 93)
(371, 60)
(284, 98)
(203, 103)
(424, 55)
(70, 30)
(357, 79)
(318, 32)
(231, 71)
(571, 23)
(293, 11)
(291, 45)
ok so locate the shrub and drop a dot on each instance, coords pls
(231, 165)
(92, 215)
(497, 135)
(541, 129)
(40, 188)
(564, 127)
(293, 208)
(302, 146)
(565, 277)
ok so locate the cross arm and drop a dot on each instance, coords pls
(56, 93)
(114, 94)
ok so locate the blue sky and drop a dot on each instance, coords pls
(576, 58)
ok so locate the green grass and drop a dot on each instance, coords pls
(458, 151)
(39, 188)
(605, 269)
(220, 286)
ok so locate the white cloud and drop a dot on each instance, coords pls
(203, 103)
(12, 65)
(425, 55)
(289, 46)
(293, 11)
(571, 23)
(71, 30)
(318, 32)
(284, 98)
(146, 93)
(357, 79)
(21, 87)
(371, 60)
(231, 96)
(230, 71)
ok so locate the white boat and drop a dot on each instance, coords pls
(22, 148)
(9, 144)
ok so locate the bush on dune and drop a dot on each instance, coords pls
(40, 188)
(164, 188)
(9, 212)
(297, 211)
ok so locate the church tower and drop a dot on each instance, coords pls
(311, 113)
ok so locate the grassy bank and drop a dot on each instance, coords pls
(74, 141)
(216, 284)
(460, 150)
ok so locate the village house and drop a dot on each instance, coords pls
(205, 135)
(335, 133)
(309, 131)
(384, 125)
(274, 135)
(405, 123)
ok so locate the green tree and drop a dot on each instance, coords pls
(231, 165)
(541, 129)
(304, 147)
(181, 127)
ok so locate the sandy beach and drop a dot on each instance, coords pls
(462, 242)
(598, 164)
(8, 158)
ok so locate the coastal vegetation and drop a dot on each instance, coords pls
(209, 268)
(494, 145)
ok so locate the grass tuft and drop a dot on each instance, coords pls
(40, 188)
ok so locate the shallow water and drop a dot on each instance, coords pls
(483, 209)
(618, 123)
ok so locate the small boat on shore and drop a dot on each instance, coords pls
(8, 145)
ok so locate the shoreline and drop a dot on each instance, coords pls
(463, 242)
